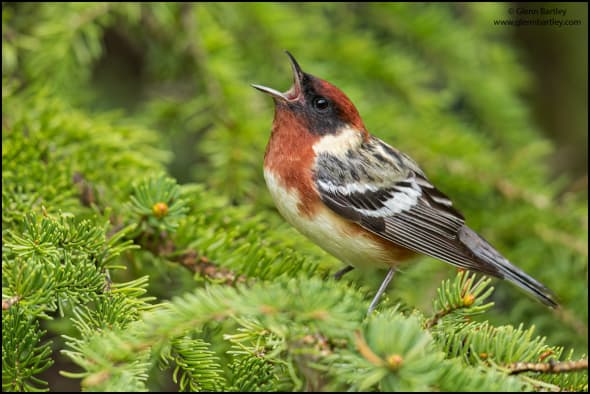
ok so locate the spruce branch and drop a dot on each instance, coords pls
(23, 354)
(575, 381)
(549, 367)
(163, 246)
(296, 307)
(366, 351)
(62, 152)
(196, 367)
(463, 297)
(191, 260)
(254, 373)
(388, 354)
(158, 207)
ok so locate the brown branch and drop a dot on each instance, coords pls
(467, 299)
(162, 245)
(201, 265)
(392, 361)
(366, 351)
(439, 315)
(550, 367)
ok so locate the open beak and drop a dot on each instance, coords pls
(294, 92)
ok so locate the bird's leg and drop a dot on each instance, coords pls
(344, 270)
(381, 290)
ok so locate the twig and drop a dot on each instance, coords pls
(366, 351)
(201, 265)
(392, 361)
(550, 367)
(439, 315)
(163, 246)
(467, 300)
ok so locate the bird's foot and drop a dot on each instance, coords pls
(343, 271)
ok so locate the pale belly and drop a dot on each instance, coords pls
(327, 230)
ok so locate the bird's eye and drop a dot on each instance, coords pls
(320, 104)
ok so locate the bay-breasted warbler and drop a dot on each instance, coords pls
(360, 199)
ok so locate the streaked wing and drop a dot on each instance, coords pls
(397, 203)
(386, 192)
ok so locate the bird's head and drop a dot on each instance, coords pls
(318, 106)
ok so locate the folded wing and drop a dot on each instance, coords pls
(386, 193)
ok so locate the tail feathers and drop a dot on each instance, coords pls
(494, 261)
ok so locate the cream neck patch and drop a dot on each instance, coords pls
(338, 144)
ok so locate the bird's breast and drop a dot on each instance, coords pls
(343, 239)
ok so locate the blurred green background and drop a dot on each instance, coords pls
(169, 63)
(496, 115)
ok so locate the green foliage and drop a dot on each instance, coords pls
(156, 203)
(398, 356)
(184, 277)
(22, 356)
(252, 374)
(463, 296)
(454, 378)
(311, 331)
(569, 381)
(51, 262)
(197, 368)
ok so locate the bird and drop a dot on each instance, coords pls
(362, 200)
